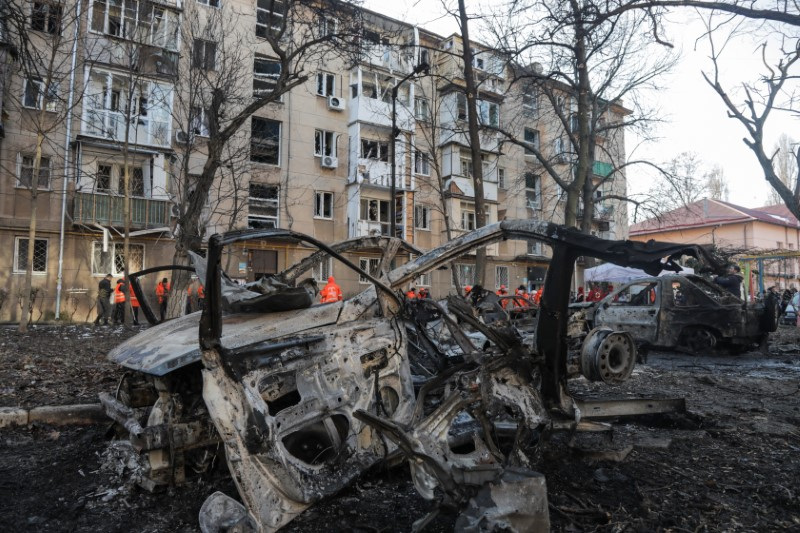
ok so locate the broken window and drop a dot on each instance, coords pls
(326, 84)
(263, 205)
(265, 141)
(532, 139)
(370, 266)
(266, 72)
(46, 17)
(323, 205)
(324, 143)
(204, 55)
(270, 17)
(113, 259)
(26, 172)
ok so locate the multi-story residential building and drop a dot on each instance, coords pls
(319, 161)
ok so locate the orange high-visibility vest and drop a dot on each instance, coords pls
(119, 296)
(330, 293)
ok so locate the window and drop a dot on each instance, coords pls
(500, 276)
(327, 26)
(323, 270)
(424, 57)
(46, 17)
(465, 273)
(102, 178)
(265, 141)
(21, 255)
(270, 17)
(210, 3)
(368, 265)
(136, 177)
(422, 109)
(488, 113)
(530, 103)
(26, 172)
(147, 22)
(467, 217)
(461, 106)
(422, 164)
(466, 167)
(477, 61)
(423, 280)
(263, 206)
(501, 177)
(374, 150)
(323, 205)
(34, 95)
(113, 260)
(204, 54)
(531, 138)
(532, 190)
(324, 143)
(265, 75)
(559, 149)
(534, 248)
(574, 123)
(200, 122)
(326, 84)
(375, 211)
(422, 217)
(111, 177)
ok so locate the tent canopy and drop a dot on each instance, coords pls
(612, 273)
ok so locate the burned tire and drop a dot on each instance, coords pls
(608, 355)
(698, 340)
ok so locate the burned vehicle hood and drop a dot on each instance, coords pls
(174, 344)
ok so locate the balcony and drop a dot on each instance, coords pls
(108, 124)
(366, 228)
(373, 111)
(107, 210)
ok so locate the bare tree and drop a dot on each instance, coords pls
(785, 163)
(585, 63)
(717, 184)
(44, 39)
(755, 102)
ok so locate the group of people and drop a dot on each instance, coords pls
(195, 300)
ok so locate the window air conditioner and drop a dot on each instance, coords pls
(328, 161)
(335, 103)
(183, 137)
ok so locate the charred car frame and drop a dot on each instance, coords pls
(306, 397)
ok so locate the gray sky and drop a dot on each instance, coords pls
(696, 118)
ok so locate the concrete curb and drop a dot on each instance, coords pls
(57, 415)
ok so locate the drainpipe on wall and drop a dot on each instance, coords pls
(64, 181)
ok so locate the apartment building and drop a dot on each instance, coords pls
(319, 160)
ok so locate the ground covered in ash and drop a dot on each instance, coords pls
(731, 463)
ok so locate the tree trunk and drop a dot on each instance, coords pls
(474, 141)
(34, 188)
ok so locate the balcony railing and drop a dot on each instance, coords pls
(108, 210)
(111, 125)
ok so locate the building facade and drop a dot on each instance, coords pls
(319, 160)
(764, 240)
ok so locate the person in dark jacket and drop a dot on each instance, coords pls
(103, 303)
(732, 281)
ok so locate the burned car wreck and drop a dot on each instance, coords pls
(306, 397)
(686, 312)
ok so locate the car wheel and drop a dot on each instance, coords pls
(698, 340)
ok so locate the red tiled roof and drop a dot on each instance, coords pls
(708, 212)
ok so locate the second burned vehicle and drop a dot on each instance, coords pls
(305, 397)
(686, 312)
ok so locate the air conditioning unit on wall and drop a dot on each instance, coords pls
(328, 161)
(335, 103)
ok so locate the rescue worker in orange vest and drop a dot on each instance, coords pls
(501, 292)
(201, 297)
(119, 303)
(162, 292)
(411, 294)
(521, 298)
(537, 296)
(423, 293)
(134, 305)
(467, 290)
(331, 292)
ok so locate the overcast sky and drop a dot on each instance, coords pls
(697, 120)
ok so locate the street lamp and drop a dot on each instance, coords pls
(422, 67)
